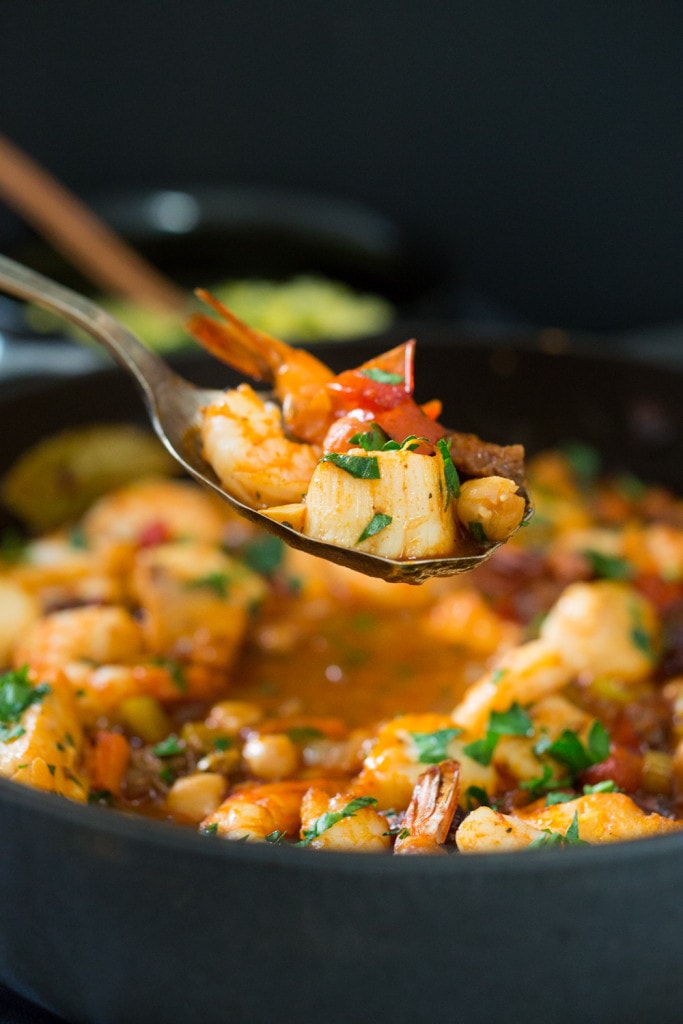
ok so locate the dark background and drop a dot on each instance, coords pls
(534, 150)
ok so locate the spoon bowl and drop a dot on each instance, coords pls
(175, 407)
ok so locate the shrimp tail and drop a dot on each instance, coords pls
(431, 809)
(252, 352)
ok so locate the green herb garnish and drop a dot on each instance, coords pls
(169, 747)
(609, 567)
(17, 693)
(304, 734)
(174, 669)
(382, 376)
(378, 523)
(330, 818)
(222, 743)
(218, 582)
(264, 555)
(372, 440)
(570, 751)
(431, 747)
(570, 837)
(363, 467)
(513, 722)
(449, 471)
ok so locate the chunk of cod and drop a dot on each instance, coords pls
(411, 492)
(48, 752)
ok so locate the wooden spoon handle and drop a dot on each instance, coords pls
(82, 238)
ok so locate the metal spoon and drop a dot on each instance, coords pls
(175, 406)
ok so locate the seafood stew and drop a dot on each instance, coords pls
(588, 932)
(165, 658)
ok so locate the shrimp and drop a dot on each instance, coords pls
(601, 818)
(297, 377)
(153, 510)
(342, 822)
(393, 766)
(259, 811)
(430, 811)
(244, 440)
(487, 831)
(301, 462)
(100, 653)
(314, 401)
(596, 817)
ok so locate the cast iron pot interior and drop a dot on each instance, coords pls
(112, 920)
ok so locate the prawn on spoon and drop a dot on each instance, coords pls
(352, 459)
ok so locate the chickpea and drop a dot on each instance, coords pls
(493, 503)
(273, 756)
(229, 716)
(197, 795)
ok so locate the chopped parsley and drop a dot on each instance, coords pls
(609, 567)
(104, 797)
(477, 530)
(78, 538)
(304, 734)
(372, 440)
(569, 838)
(449, 471)
(363, 467)
(209, 830)
(639, 635)
(222, 743)
(375, 440)
(265, 554)
(513, 722)
(409, 443)
(175, 671)
(378, 523)
(605, 786)
(218, 582)
(330, 818)
(169, 747)
(432, 747)
(17, 693)
(382, 376)
(475, 797)
(276, 838)
(571, 752)
(540, 785)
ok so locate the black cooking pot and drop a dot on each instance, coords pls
(107, 919)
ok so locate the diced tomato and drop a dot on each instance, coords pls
(408, 419)
(622, 766)
(662, 593)
(155, 532)
(381, 383)
(351, 390)
(107, 761)
(432, 409)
